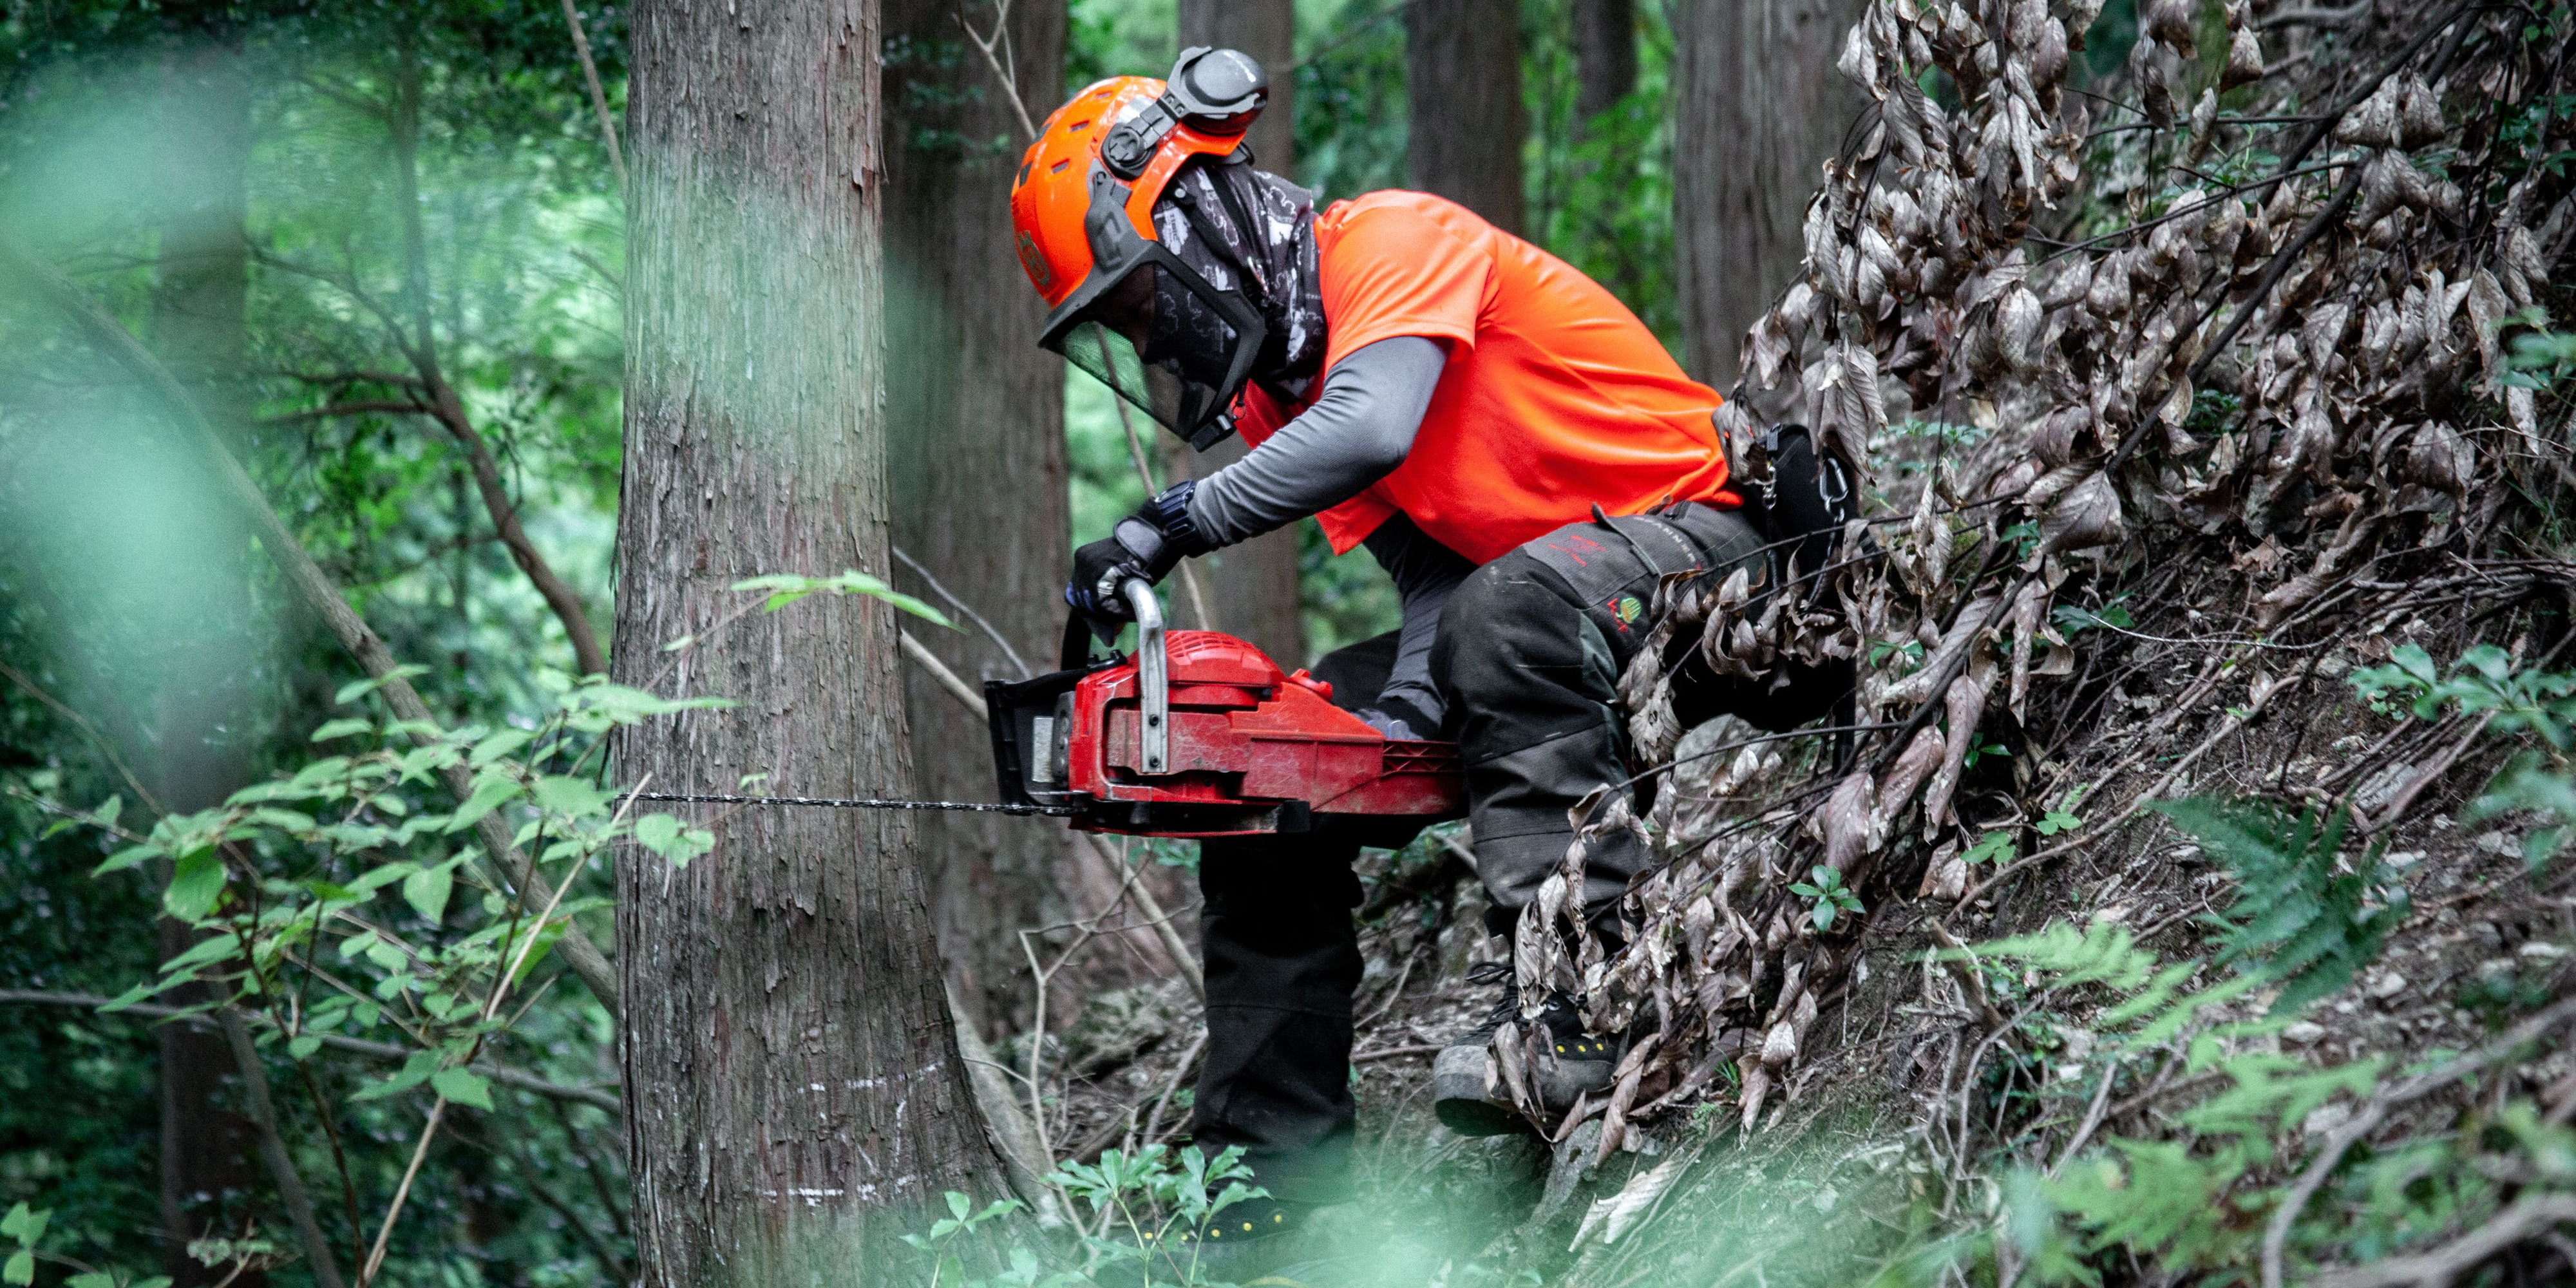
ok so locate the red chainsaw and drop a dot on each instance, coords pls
(1201, 734)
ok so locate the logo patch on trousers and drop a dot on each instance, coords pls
(1627, 608)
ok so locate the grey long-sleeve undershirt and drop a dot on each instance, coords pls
(1359, 430)
(1425, 572)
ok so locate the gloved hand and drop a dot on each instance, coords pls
(1148, 544)
(1393, 726)
(1399, 720)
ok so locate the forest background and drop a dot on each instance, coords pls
(321, 379)
(229, 182)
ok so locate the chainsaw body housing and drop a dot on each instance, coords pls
(1246, 748)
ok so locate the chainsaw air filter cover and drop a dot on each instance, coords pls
(1247, 749)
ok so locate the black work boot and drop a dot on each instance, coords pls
(1467, 1088)
(1245, 1242)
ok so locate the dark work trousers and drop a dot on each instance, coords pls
(1529, 656)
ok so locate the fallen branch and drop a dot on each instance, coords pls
(598, 99)
(448, 410)
(2531, 1214)
(1015, 1137)
(2276, 1237)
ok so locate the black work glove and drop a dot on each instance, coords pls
(1148, 544)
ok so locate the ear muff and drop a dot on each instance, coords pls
(1213, 91)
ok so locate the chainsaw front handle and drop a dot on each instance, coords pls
(1153, 677)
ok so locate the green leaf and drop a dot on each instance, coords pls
(357, 689)
(490, 792)
(21, 1268)
(92, 1279)
(561, 794)
(462, 1086)
(427, 890)
(672, 839)
(342, 729)
(303, 1045)
(497, 746)
(25, 1225)
(787, 588)
(195, 886)
(376, 878)
(959, 1204)
(213, 948)
(128, 857)
(415, 1071)
(284, 820)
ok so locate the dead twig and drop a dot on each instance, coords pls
(598, 98)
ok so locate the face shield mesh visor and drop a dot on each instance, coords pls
(1199, 343)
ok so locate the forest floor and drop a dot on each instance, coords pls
(1836, 1183)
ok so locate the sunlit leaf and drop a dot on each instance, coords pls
(463, 1086)
(490, 792)
(427, 890)
(195, 884)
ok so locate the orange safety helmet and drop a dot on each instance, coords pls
(1082, 217)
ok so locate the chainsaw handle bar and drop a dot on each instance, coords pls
(1153, 671)
(1153, 677)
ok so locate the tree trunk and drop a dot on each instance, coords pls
(1605, 55)
(795, 1094)
(1253, 588)
(1463, 86)
(1758, 108)
(975, 417)
(198, 752)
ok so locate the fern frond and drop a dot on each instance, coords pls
(2104, 953)
(2295, 920)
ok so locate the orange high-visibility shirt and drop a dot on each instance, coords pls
(1555, 399)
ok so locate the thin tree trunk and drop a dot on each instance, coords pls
(1463, 88)
(1605, 55)
(1253, 588)
(1758, 107)
(794, 1092)
(199, 749)
(976, 456)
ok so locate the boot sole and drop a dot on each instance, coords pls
(1459, 1076)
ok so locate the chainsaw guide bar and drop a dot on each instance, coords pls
(861, 802)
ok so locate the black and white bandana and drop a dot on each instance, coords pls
(1279, 251)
